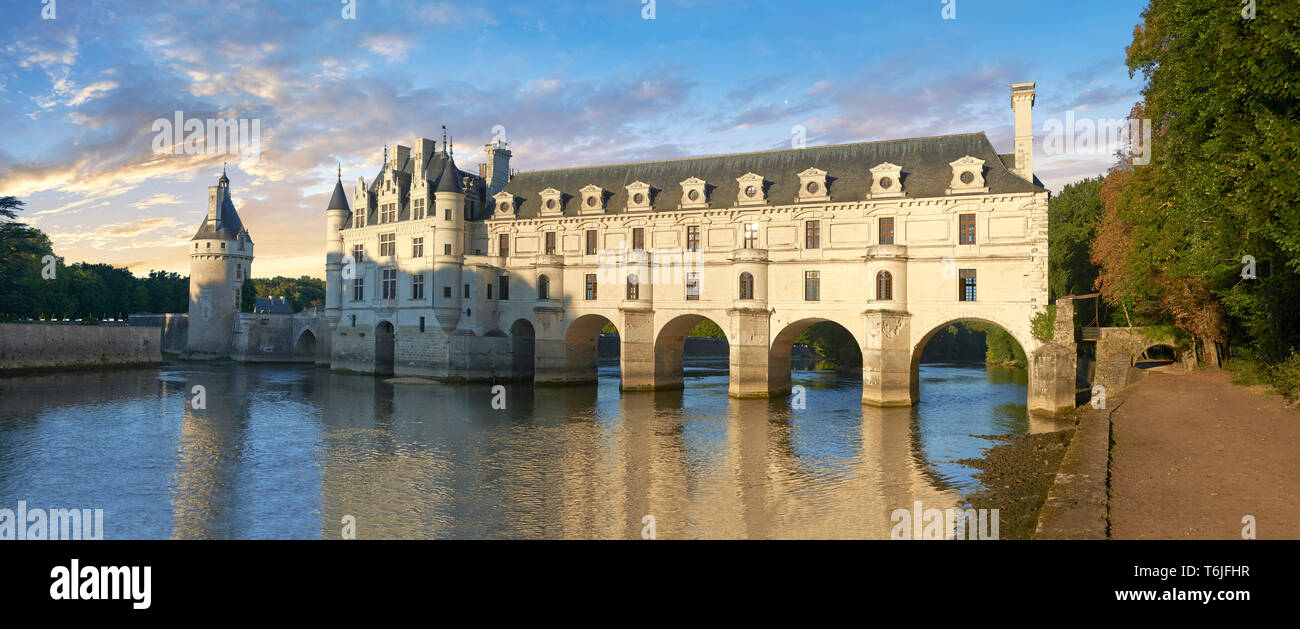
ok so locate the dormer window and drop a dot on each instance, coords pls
(552, 202)
(638, 196)
(593, 200)
(752, 190)
(505, 204)
(886, 181)
(693, 193)
(812, 185)
(967, 176)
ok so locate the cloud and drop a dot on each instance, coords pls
(91, 91)
(393, 47)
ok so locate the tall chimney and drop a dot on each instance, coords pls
(1022, 103)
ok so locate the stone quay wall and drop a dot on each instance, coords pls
(52, 346)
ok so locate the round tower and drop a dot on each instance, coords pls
(337, 215)
(221, 258)
(449, 244)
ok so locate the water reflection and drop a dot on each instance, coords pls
(288, 451)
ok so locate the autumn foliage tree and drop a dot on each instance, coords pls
(1222, 182)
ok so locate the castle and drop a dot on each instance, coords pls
(432, 271)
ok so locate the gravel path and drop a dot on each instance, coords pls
(1193, 454)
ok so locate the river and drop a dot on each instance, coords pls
(282, 452)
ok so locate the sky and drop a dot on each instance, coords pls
(87, 88)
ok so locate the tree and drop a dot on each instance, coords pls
(1223, 102)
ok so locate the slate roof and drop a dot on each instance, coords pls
(272, 305)
(227, 226)
(436, 165)
(339, 200)
(924, 161)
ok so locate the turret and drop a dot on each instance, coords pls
(337, 215)
(221, 258)
(449, 243)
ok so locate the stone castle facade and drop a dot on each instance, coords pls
(433, 271)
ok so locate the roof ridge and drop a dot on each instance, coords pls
(747, 153)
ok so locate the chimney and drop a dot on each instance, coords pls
(1022, 103)
(496, 170)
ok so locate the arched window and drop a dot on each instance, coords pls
(543, 287)
(746, 286)
(884, 286)
(633, 287)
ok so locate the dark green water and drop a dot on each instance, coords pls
(288, 451)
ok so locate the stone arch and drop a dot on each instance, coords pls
(305, 346)
(778, 360)
(385, 348)
(523, 350)
(914, 371)
(670, 349)
(582, 348)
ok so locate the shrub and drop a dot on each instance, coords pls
(1043, 325)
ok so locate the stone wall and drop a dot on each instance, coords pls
(43, 346)
(1053, 367)
(174, 328)
(1117, 347)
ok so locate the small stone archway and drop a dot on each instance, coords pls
(523, 351)
(1118, 349)
(385, 349)
(305, 347)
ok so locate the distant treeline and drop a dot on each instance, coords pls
(35, 283)
(972, 341)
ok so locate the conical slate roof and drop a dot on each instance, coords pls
(449, 180)
(339, 201)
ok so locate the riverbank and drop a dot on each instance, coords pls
(1016, 477)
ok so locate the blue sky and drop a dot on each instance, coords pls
(571, 83)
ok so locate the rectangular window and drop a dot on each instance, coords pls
(417, 247)
(489, 290)
(751, 235)
(966, 227)
(446, 215)
(503, 245)
(417, 209)
(239, 271)
(638, 239)
(389, 286)
(359, 219)
(388, 213)
(966, 285)
(387, 245)
(503, 287)
(812, 235)
(446, 249)
(633, 287)
(417, 286)
(421, 324)
(812, 286)
(358, 289)
(692, 237)
(591, 286)
(693, 286)
(446, 292)
(591, 242)
(550, 243)
(358, 253)
(887, 230)
(467, 291)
